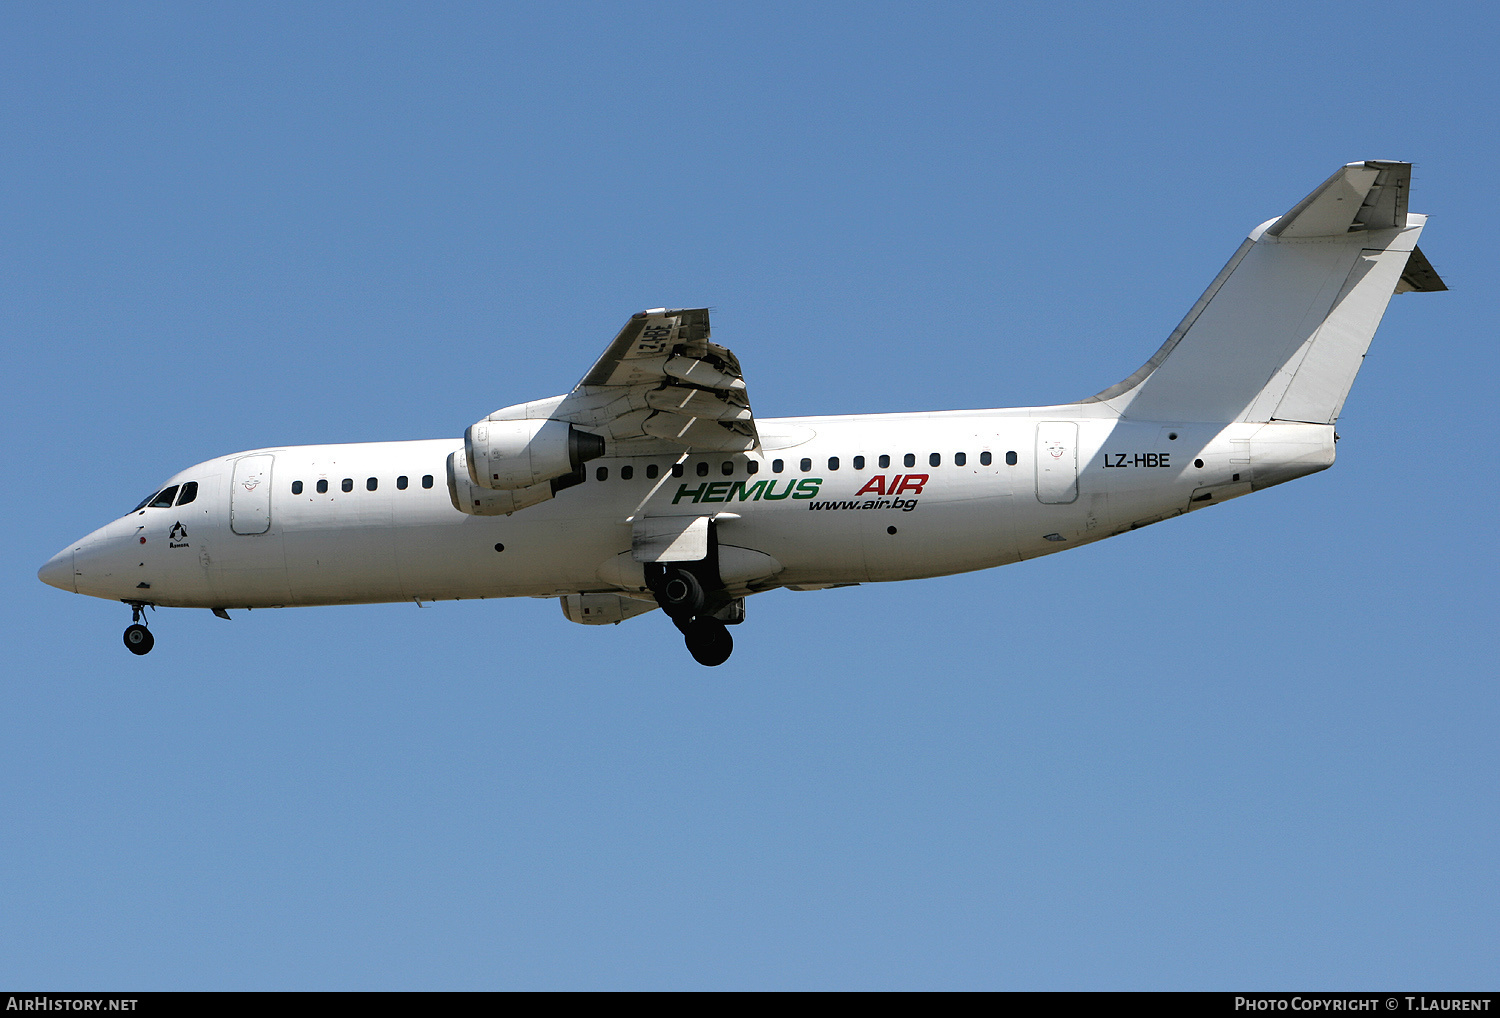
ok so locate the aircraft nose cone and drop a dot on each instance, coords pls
(58, 571)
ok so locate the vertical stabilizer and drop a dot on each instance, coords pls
(1282, 330)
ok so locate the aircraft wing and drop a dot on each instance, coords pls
(663, 380)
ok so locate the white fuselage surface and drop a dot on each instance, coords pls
(819, 502)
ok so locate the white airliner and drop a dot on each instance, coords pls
(652, 485)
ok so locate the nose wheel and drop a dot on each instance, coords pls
(138, 639)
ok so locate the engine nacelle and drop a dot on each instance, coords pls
(505, 455)
(470, 498)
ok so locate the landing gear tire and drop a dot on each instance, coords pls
(709, 642)
(138, 639)
(680, 594)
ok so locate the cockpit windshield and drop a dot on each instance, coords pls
(163, 499)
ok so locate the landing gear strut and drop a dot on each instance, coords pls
(138, 639)
(680, 594)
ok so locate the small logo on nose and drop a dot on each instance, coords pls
(177, 536)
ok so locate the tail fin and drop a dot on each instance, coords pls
(1280, 334)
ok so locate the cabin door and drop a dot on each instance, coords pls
(1057, 462)
(250, 495)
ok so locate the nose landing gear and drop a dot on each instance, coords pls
(138, 639)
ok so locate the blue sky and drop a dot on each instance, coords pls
(1251, 748)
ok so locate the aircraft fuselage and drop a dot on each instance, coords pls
(834, 500)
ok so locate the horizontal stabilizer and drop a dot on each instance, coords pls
(1361, 196)
(1419, 276)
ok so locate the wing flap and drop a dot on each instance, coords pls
(700, 433)
(662, 380)
(681, 399)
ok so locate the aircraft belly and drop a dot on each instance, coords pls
(823, 548)
(250, 571)
(846, 543)
(939, 537)
(475, 557)
(345, 565)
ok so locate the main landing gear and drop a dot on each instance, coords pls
(680, 594)
(708, 640)
(138, 639)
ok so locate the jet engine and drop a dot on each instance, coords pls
(506, 455)
(470, 498)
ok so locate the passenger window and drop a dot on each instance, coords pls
(806, 464)
(859, 463)
(935, 460)
(1010, 459)
(401, 483)
(676, 469)
(885, 461)
(960, 458)
(752, 466)
(627, 472)
(371, 484)
(777, 466)
(910, 460)
(348, 484)
(651, 470)
(164, 500)
(296, 487)
(728, 468)
(602, 474)
(833, 463)
(426, 480)
(190, 492)
(984, 459)
(323, 487)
